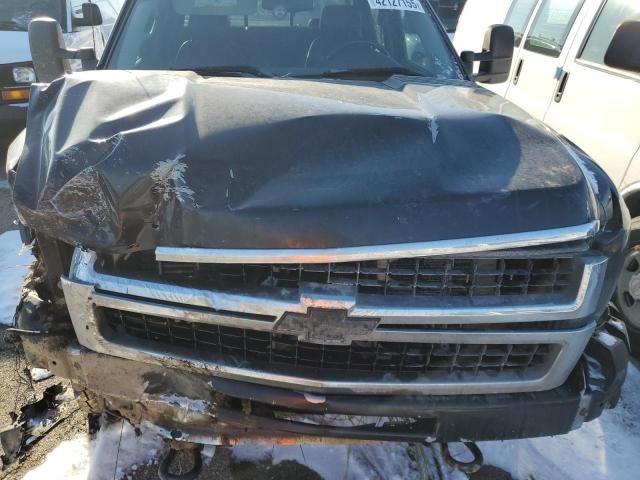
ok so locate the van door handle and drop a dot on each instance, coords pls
(516, 76)
(561, 86)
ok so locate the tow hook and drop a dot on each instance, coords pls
(466, 467)
(165, 465)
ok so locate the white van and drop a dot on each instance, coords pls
(560, 76)
(16, 69)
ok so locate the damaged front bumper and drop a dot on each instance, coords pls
(183, 403)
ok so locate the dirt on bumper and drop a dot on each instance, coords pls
(187, 405)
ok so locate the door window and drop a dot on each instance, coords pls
(518, 17)
(551, 26)
(612, 15)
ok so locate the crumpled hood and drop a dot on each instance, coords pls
(129, 160)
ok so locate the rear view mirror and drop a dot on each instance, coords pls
(50, 57)
(280, 8)
(624, 49)
(496, 56)
(91, 16)
(289, 5)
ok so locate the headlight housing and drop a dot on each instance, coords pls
(24, 74)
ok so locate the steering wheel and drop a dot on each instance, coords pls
(358, 46)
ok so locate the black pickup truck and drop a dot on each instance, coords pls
(312, 227)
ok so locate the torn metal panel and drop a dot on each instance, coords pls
(33, 422)
(128, 160)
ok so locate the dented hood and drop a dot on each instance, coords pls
(128, 160)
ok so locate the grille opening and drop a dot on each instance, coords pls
(267, 349)
(419, 277)
(476, 327)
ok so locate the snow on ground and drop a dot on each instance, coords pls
(601, 450)
(112, 455)
(70, 460)
(13, 267)
(115, 452)
(607, 448)
(39, 374)
(385, 461)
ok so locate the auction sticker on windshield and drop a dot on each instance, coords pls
(410, 5)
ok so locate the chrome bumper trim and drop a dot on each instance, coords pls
(377, 252)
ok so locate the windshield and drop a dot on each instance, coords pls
(285, 38)
(16, 14)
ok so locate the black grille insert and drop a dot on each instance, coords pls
(266, 349)
(425, 276)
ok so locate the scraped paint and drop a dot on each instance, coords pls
(168, 177)
(434, 128)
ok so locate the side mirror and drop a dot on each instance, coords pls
(624, 49)
(496, 56)
(91, 16)
(49, 54)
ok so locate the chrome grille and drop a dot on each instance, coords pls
(524, 332)
(445, 276)
(272, 349)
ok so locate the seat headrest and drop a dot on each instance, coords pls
(339, 18)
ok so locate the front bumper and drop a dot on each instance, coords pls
(183, 403)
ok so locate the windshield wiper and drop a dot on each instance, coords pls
(373, 72)
(227, 71)
(10, 24)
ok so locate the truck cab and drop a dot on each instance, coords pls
(312, 227)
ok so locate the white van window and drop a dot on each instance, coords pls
(552, 26)
(612, 15)
(518, 17)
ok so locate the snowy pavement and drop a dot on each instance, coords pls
(14, 263)
(607, 448)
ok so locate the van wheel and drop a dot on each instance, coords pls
(627, 295)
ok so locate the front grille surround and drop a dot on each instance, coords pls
(533, 339)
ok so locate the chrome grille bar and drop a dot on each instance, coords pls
(390, 309)
(353, 254)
